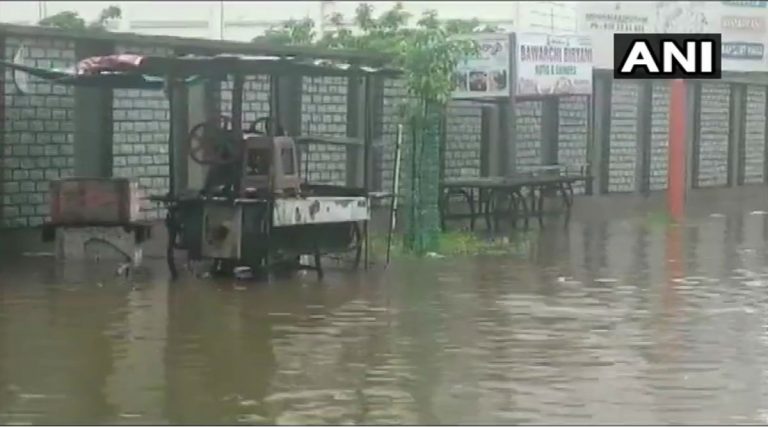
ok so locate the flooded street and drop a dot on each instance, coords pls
(619, 319)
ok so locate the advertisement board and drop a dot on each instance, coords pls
(553, 65)
(486, 74)
(599, 20)
(742, 25)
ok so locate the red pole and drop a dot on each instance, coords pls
(676, 157)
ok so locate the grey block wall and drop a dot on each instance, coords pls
(713, 136)
(140, 135)
(623, 137)
(393, 95)
(38, 141)
(528, 127)
(573, 133)
(659, 136)
(754, 135)
(324, 112)
(463, 140)
(255, 98)
(39, 132)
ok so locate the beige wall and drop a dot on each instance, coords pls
(245, 20)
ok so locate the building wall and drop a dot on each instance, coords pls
(394, 92)
(573, 132)
(754, 138)
(659, 136)
(324, 113)
(713, 134)
(38, 132)
(528, 135)
(245, 20)
(463, 140)
(623, 137)
(140, 136)
(38, 137)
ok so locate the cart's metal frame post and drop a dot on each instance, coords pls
(237, 103)
(356, 127)
(179, 126)
(274, 103)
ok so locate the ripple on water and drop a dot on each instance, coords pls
(451, 341)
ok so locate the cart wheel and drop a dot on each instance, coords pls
(211, 142)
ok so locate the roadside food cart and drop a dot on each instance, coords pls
(254, 208)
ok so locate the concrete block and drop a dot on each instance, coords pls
(97, 243)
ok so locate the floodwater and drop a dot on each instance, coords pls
(619, 319)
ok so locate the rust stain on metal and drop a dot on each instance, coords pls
(314, 208)
(298, 215)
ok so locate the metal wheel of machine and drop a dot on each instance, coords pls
(212, 143)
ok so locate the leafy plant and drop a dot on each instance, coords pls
(428, 52)
(73, 21)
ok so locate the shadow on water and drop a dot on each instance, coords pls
(618, 319)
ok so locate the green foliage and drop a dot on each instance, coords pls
(292, 32)
(462, 244)
(66, 20)
(73, 21)
(428, 53)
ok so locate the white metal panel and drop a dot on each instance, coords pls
(320, 210)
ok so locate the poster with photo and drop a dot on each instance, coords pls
(486, 74)
(553, 65)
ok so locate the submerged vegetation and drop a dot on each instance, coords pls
(462, 243)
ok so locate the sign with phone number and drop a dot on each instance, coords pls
(746, 3)
(734, 50)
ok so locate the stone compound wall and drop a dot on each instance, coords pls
(463, 140)
(38, 144)
(528, 127)
(255, 98)
(140, 136)
(623, 146)
(659, 136)
(754, 138)
(713, 134)
(38, 141)
(394, 92)
(324, 112)
(573, 132)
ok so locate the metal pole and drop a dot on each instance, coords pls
(677, 140)
(221, 20)
(395, 188)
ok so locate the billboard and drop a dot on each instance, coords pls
(549, 64)
(486, 74)
(741, 23)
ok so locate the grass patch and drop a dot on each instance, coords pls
(657, 220)
(457, 243)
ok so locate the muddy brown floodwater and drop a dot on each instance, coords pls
(619, 319)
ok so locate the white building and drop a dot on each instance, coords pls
(244, 20)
